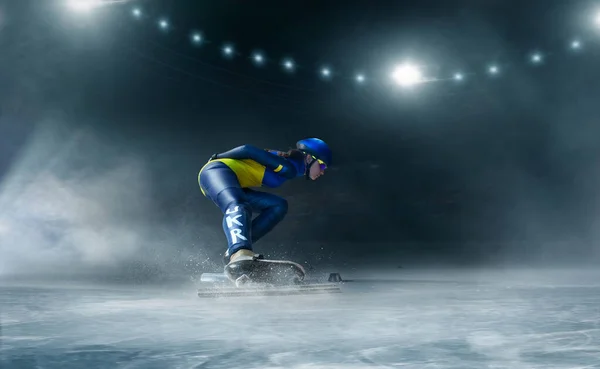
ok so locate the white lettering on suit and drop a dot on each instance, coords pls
(231, 220)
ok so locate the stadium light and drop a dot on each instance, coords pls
(196, 38)
(536, 58)
(407, 75)
(228, 51)
(83, 6)
(288, 64)
(258, 58)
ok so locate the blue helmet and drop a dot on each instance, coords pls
(317, 148)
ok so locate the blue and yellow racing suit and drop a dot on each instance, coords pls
(227, 180)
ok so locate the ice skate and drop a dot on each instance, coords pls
(252, 275)
(247, 267)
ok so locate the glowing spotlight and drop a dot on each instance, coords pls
(458, 77)
(288, 64)
(576, 45)
(536, 58)
(196, 38)
(163, 24)
(136, 12)
(597, 20)
(407, 75)
(258, 58)
(360, 78)
(83, 5)
(493, 70)
(326, 72)
(228, 50)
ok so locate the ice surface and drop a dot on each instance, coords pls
(445, 322)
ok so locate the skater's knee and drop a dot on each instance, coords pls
(232, 198)
(281, 208)
(236, 207)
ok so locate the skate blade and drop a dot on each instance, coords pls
(242, 281)
(278, 272)
(258, 290)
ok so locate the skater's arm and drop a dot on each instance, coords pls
(277, 163)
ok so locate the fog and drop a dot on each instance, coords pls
(74, 205)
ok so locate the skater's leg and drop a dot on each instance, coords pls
(272, 210)
(221, 185)
(237, 220)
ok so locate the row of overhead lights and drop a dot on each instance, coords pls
(405, 74)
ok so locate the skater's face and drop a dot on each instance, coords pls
(316, 169)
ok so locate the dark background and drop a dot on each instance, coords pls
(115, 117)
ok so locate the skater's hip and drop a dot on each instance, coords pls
(247, 173)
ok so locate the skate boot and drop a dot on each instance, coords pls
(245, 266)
(237, 265)
(226, 257)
